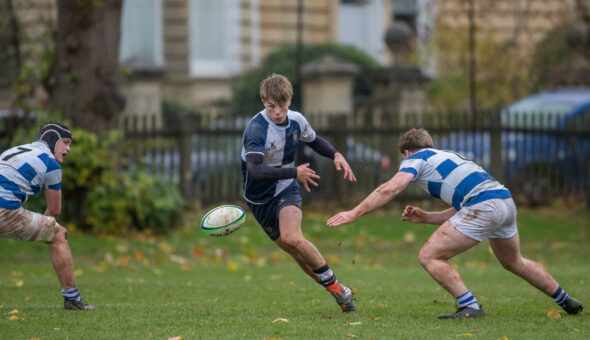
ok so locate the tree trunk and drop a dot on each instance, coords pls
(84, 79)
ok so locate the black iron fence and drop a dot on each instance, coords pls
(537, 156)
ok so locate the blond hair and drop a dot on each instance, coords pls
(276, 88)
(414, 140)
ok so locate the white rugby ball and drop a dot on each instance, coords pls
(223, 220)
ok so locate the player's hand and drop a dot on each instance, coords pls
(341, 164)
(413, 214)
(306, 176)
(341, 218)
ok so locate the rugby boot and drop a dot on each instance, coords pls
(463, 312)
(77, 305)
(572, 306)
(343, 296)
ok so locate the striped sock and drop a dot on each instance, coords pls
(467, 300)
(71, 294)
(560, 296)
(325, 275)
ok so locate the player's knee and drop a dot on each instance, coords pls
(424, 257)
(511, 265)
(61, 236)
(290, 241)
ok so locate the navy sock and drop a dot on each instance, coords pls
(71, 294)
(467, 300)
(560, 296)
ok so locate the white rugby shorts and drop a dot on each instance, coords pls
(495, 218)
(22, 224)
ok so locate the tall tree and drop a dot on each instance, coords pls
(84, 80)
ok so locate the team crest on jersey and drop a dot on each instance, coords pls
(295, 137)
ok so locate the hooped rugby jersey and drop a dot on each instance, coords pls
(24, 171)
(453, 178)
(277, 144)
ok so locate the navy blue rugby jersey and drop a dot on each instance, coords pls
(277, 144)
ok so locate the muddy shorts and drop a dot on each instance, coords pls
(495, 218)
(22, 224)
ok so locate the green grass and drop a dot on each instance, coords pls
(198, 287)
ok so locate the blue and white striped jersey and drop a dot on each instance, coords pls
(277, 144)
(452, 178)
(24, 171)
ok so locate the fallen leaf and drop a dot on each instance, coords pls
(19, 283)
(16, 273)
(291, 283)
(198, 251)
(434, 328)
(78, 272)
(577, 330)
(175, 338)
(16, 318)
(355, 323)
(350, 335)
(232, 266)
(553, 314)
(473, 331)
(280, 320)
(28, 298)
(14, 311)
(503, 338)
(466, 334)
(325, 317)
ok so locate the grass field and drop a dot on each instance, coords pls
(242, 287)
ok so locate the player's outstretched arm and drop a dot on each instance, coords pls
(417, 215)
(341, 164)
(383, 194)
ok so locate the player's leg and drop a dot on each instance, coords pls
(292, 241)
(63, 263)
(507, 250)
(61, 258)
(308, 256)
(505, 243)
(443, 244)
(22, 224)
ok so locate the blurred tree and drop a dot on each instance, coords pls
(84, 78)
(501, 75)
(562, 58)
(246, 97)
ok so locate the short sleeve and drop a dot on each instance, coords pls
(307, 133)
(254, 138)
(412, 166)
(53, 179)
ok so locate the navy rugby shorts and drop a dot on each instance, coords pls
(267, 214)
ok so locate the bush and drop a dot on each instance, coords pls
(102, 194)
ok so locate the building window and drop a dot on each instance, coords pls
(141, 34)
(214, 38)
(362, 24)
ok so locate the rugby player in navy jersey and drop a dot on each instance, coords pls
(271, 180)
(481, 208)
(25, 170)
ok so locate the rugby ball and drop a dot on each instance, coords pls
(223, 220)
